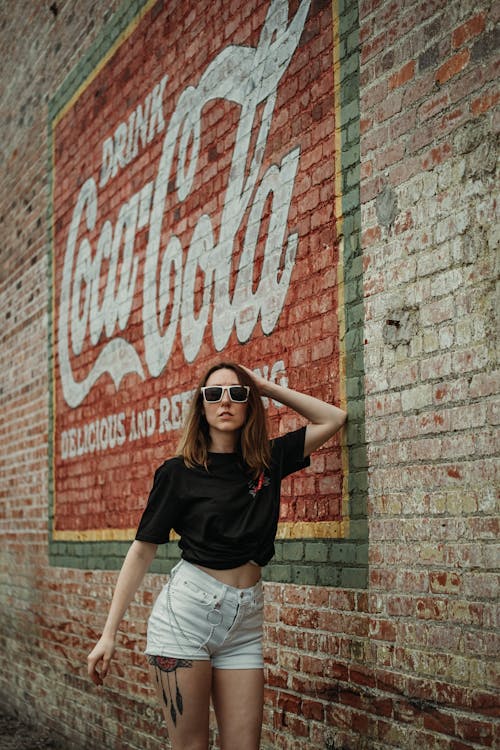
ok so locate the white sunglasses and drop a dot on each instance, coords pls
(237, 393)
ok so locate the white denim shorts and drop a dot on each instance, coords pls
(197, 617)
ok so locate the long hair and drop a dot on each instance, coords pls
(253, 443)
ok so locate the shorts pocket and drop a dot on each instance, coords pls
(184, 587)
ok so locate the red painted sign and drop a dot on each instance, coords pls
(193, 220)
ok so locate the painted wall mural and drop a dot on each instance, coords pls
(194, 198)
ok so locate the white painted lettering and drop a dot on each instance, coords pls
(245, 76)
(156, 121)
(143, 124)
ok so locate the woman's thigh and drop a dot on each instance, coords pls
(238, 696)
(184, 688)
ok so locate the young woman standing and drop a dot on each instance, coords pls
(221, 495)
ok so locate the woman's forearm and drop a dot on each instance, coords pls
(136, 564)
(313, 409)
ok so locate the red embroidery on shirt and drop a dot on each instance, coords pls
(255, 486)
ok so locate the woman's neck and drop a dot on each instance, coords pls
(223, 443)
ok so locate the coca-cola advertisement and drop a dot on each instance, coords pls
(194, 195)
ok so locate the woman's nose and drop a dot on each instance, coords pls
(225, 395)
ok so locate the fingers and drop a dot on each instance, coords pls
(97, 676)
(94, 658)
(259, 382)
(94, 675)
(105, 667)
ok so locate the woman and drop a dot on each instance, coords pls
(221, 495)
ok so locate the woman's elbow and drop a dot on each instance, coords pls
(144, 550)
(339, 418)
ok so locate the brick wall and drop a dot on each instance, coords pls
(409, 660)
(430, 233)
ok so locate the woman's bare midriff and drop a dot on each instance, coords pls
(241, 578)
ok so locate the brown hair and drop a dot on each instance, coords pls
(253, 441)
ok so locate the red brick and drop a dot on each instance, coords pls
(365, 124)
(343, 600)
(337, 671)
(402, 76)
(289, 703)
(485, 703)
(383, 630)
(313, 710)
(470, 81)
(296, 725)
(453, 66)
(312, 665)
(351, 697)
(361, 676)
(475, 731)
(468, 30)
(445, 582)
(277, 678)
(438, 721)
(382, 706)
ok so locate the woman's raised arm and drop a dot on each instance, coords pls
(324, 419)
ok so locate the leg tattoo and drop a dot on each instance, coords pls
(167, 664)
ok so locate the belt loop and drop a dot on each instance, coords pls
(223, 592)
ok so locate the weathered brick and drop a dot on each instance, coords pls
(426, 677)
(483, 103)
(484, 384)
(482, 585)
(416, 398)
(439, 366)
(475, 358)
(485, 45)
(445, 583)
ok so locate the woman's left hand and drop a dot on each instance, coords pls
(260, 382)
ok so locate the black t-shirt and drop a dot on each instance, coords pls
(223, 516)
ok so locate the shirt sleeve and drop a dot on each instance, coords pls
(288, 452)
(159, 515)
